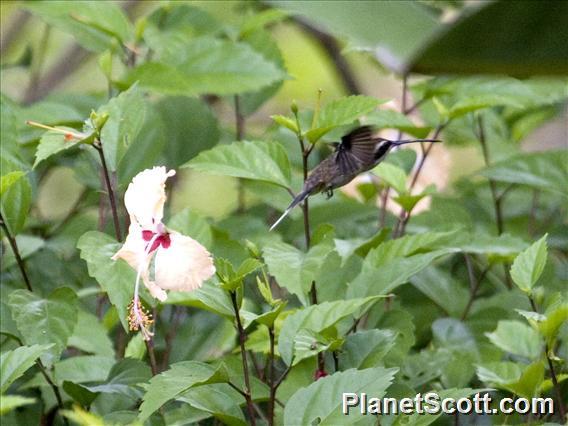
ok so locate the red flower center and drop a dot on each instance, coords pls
(162, 239)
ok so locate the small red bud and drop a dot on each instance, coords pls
(319, 374)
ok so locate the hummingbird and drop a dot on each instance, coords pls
(358, 152)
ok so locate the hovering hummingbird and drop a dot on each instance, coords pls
(357, 152)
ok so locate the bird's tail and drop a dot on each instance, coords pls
(299, 198)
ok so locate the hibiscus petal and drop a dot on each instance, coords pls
(132, 251)
(184, 265)
(146, 195)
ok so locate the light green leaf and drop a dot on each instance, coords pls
(517, 338)
(208, 66)
(261, 19)
(500, 373)
(91, 336)
(389, 119)
(383, 278)
(115, 277)
(322, 400)
(209, 297)
(287, 122)
(93, 24)
(192, 224)
(366, 349)
(341, 112)
(392, 175)
(9, 179)
(554, 319)
(45, 321)
(15, 363)
(53, 142)
(126, 114)
(180, 377)
(529, 264)
(11, 402)
(318, 318)
(16, 200)
(543, 170)
(264, 161)
(293, 269)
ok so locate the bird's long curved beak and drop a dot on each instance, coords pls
(404, 142)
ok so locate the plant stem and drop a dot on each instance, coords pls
(404, 217)
(14, 245)
(553, 377)
(151, 355)
(239, 134)
(175, 319)
(99, 147)
(497, 199)
(271, 377)
(474, 284)
(53, 386)
(242, 339)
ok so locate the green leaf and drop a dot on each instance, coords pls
(340, 113)
(492, 39)
(53, 142)
(322, 400)
(383, 278)
(231, 279)
(123, 378)
(554, 319)
(264, 161)
(443, 288)
(262, 19)
(318, 318)
(389, 119)
(517, 338)
(90, 336)
(126, 114)
(27, 245)
(16, 200)
(287, 122)
(499, 374)
(94, 25)
(220, 401)
(209, 297)
(15, 363)
(207, 66)
(115, 277)
(83, 369)
(544, 170)
(45, 321)
(394, 31)
(528, 265)
(9, 179)
(11, 402)
(295, 270)
(392, 175)
(190, 127)
(366, 349)
(192, 224)
(180, 377)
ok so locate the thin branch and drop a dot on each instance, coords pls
(271, 377)
(99, 147)
(171, 334)
(53, 386)
(282, 377)
(332, 48)
(474, 284)
(151, 356)
(553, 377)
(242, 339)
(14, 245)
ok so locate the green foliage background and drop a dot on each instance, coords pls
(459, 286)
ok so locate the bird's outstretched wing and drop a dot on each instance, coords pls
(356, 149)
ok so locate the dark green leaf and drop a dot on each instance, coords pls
(90, 336)
(366, 349)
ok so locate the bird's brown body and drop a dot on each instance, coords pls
(357, 152)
